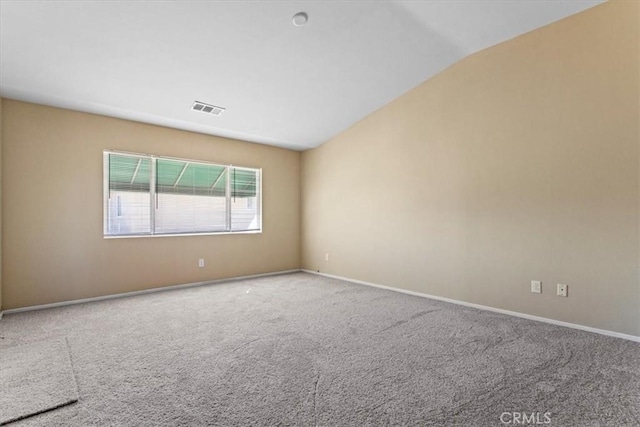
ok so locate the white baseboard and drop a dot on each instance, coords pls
(484, 307)
(145, 291)
(346, 279)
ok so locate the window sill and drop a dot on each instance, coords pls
(217, 233)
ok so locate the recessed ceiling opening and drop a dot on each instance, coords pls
(207, 108)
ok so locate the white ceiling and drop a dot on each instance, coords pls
(294, 87)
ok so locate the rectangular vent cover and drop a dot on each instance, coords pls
(207, 108)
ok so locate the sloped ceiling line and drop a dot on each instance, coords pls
(282, 85)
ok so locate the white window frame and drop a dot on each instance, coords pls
(152, 193)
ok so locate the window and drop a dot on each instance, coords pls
(150, 195)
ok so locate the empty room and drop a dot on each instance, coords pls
(320, 213)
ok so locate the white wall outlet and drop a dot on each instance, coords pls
(536, 286)
(201, 262)
(326, 257)
(562, 290)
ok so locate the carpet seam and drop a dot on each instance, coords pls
(315, 401)
(73, 374)
(53, 408)
(61, 405)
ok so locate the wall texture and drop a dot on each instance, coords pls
(518, 163)
(53, 247)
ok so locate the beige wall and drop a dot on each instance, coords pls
(518, 163)
(53, 169)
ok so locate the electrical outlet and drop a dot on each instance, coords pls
(326, 257)
(562, 290)
(536, 286)
(201, 262)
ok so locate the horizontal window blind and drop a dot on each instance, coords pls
(128, 197)
(150, 195)
(244, 199)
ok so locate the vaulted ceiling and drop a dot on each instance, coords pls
(280, 84)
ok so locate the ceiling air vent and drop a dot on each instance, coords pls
(207, 108)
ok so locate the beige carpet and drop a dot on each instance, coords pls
(35, 378)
